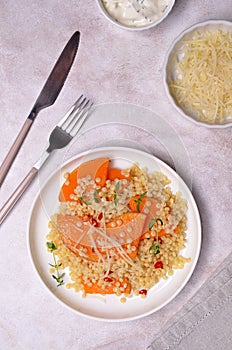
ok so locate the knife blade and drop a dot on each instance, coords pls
(46, 98)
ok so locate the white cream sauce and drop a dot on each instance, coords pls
(134, 13)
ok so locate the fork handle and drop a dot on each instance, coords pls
(12, 200)
(14, 149)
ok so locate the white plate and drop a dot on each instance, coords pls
(170, 68)
(46, 203)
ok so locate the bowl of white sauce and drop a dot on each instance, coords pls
(135, 14)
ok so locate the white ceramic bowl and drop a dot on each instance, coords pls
(135, 28)
(170, 69)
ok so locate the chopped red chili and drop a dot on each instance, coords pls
(108, 279)
(159, 265)
(100, 216)
(143, 291)
(92, 221)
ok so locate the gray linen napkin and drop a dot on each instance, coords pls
(204, 323)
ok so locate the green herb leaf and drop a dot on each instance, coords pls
(139, 201)
(51, 246)
(115, 199)
(60, 283)
(59, 279)
(161, 221)
(143, 195)
(95, 196)
(153, 221)
(82, 199)
(138, 205)
(55, 266)
(151, 224)
(154, 248)
(117, 187)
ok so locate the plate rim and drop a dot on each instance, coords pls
(196, 211)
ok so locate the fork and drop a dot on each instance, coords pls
(60, 137)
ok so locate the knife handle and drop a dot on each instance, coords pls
(13, 199)
(14, 149)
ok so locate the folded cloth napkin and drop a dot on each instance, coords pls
(204, 323)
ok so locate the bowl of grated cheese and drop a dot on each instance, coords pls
(198, 73)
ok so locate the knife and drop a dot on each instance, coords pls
(46, 98)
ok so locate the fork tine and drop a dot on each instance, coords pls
(68, 126)
(81, 117)
(68, 115)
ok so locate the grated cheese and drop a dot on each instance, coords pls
(202, 84)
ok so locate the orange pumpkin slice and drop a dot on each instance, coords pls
(91, 242)
(116, 173)
(147, 206)
(96, 168)
(110, 285)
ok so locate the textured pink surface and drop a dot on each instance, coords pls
(112, 66)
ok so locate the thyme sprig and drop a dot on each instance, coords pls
(96, 197)
(139, 201)
(82, 199)
(153, 221)
(58, 277)
(117, 188)
(155, 247)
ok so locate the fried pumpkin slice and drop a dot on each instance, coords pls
(121, 235)
(97, 169)
(109, 286)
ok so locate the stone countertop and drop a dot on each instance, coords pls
(113, 65)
